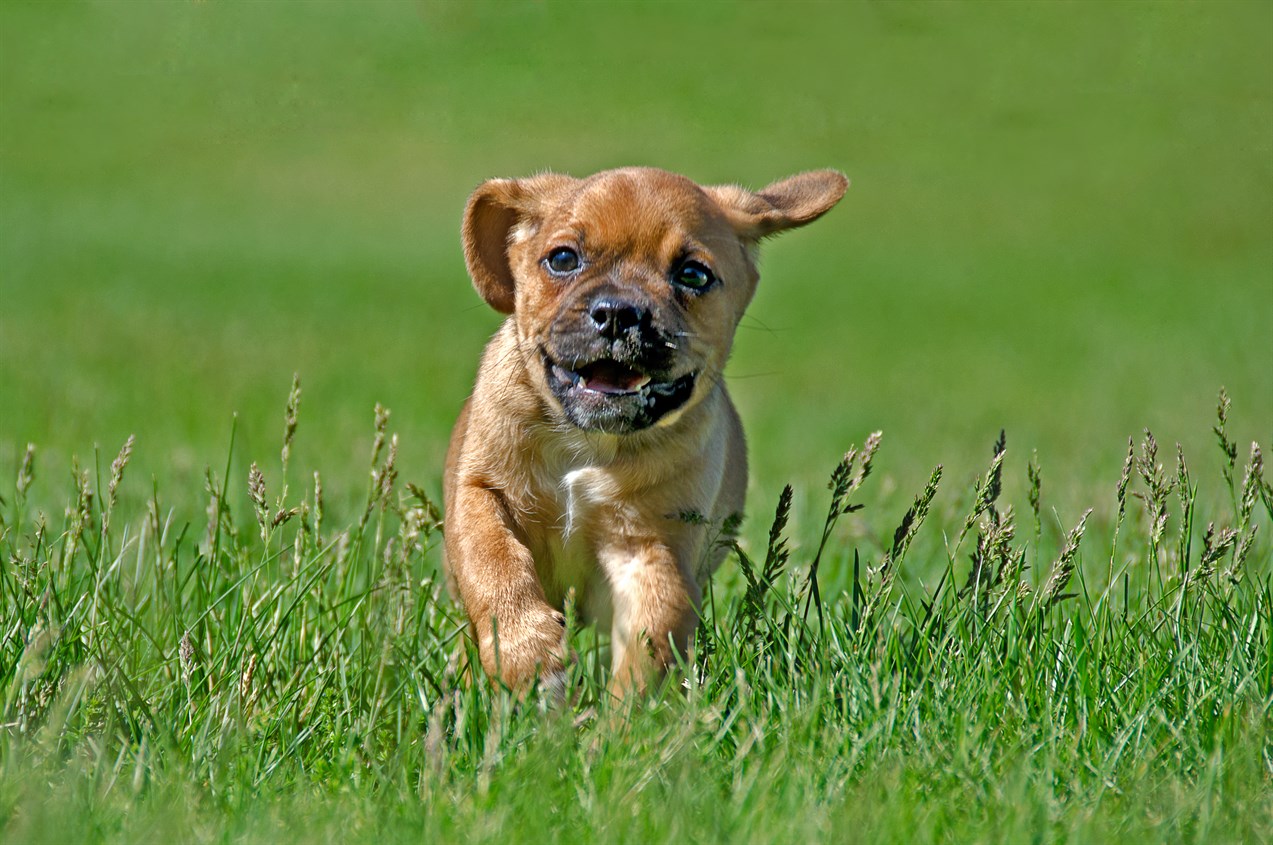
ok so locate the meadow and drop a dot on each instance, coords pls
(232, 628)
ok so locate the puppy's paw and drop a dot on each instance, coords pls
(526, 645)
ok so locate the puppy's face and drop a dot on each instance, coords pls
(626, 287)
(628, 290)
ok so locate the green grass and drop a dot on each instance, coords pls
(260, 674)
(1058, 226)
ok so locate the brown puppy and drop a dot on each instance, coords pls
(599, 451)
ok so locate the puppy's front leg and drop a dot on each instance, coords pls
(519, 635)
(654, 614)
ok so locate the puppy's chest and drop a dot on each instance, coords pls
(585, 513)
(585, 496)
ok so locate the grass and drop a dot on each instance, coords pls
(1058, 226)
(261, 673)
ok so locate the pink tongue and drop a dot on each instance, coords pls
(609, 377)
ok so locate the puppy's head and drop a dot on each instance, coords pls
(626, 287)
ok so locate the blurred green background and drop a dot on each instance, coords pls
(1061, 219)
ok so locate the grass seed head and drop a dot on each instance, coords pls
(1063, 567)
(988, 487)
(26, 470)
(283, 515)
(1123, 480)
(993, 558)
(776, 551)
(410, 529)
(841, 479)
(318, 507)
(1182, 473)
(1236, 570)
(382, 422)
(869, 448)
(186, 656)
(389, 473)
(1035, 477)
(246, 692)
(79, 512)
(994, 480)
(845, 480)
(1214, 547)
(256, 490)
(1227, 446)
(117, 475)
(902, 537)
(1252, 484)
(1157, 487)
(289, 418)
(909, 527)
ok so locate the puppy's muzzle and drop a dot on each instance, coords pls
(615, 366)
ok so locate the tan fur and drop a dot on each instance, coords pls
(537, 507)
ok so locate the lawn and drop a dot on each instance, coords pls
(1060, 226)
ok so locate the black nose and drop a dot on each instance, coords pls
(613, 317)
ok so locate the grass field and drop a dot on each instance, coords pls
(1060, 225)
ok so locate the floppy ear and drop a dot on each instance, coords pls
(492, 212)
(786, 204)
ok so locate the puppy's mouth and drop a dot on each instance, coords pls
(604, 377)
(611, 396)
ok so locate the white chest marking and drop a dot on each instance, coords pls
(581, 491)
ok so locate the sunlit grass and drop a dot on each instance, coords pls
(271, 670)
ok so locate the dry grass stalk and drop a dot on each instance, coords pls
(1035, 476)
(214, 509)
(318, 508)
(298, 551)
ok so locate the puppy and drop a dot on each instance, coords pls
(600, 453)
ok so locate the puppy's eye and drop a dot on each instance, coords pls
(694, 275)
(562, 261)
